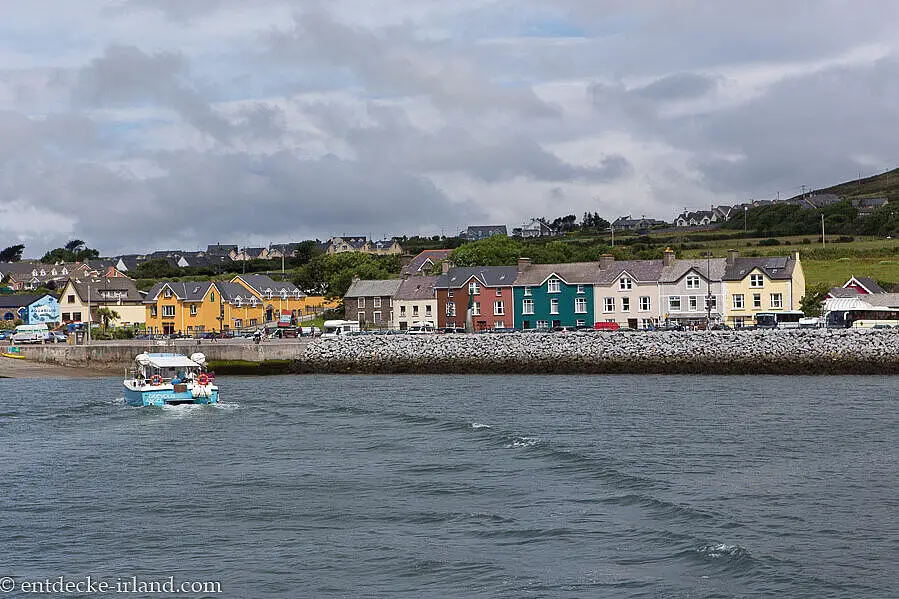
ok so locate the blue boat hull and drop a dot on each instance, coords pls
(161, 397)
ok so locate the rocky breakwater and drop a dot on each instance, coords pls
(700, 352)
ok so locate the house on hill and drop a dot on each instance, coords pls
(479, 232)
(626, 223)
(424, 262)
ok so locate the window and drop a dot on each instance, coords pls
(712, 303)
(476, 308)
(168, 311)
(360, 316)
(428, 310)
(738, 301)
(70, 299)
(756, 300)
(580, 323)
(449, 293)
(645, 303)
(253, 302)
(361, 302)
(212, 296)
(756, 280)
(527, 291)
(499, 292)
(553, 286)
(693, 302)
(625, 283)
(193, 309)
(777, 300)
(499, 324)
(739, 322)
(238, 323)
(254, 322)
(542, 324)
(499, 308)
(450, 308)
(580, 305)
(474, 288)
(415, 310)
(693, 282)
(65, 317)
(376, 316)
(674, 303)
(168, 292)
(580, 288)
(554, 306)
(625, 304)
(237, 301)
(376, 302)
(76, 316)
(608, 304)
(153, 313)
(402, 310)
(527, 306)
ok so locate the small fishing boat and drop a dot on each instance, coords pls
(169, 379)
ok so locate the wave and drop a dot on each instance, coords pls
(477, 425)
(522, 442)
(724, 551)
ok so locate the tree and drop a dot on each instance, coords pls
(495, 251)
(106, 314)
(75, 245)
(814, 296)
(12, 254)
(74, 251)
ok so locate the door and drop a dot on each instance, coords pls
(632, 323)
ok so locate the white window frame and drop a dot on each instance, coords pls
(168, 311)
(756, 301)
(674, 303)
(499, 292)
(499, 308)
(645, 303)
(580, 289)
(449, 293)
(376, 317)
(193, 309)
(739, 302)
(499, 324)
(580, 323)
(475, 308)
(527, 291)
(608, 304)
(756, 280)
(451, 309)
(580, 305)
(625, 304)
(554, 286)
(541, 324)
(777, 301)
(361, 302)
(625, 284)
(376, 302)
(554, 305)
(474, 288)
(527, 306)
(693, 282)
(693, 303)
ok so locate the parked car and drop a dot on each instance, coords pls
(57, 337)
(4, 334)
(452, 330)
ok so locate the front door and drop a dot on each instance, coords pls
(168, 328)
(632, 323)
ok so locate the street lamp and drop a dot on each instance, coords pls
(612, 229)
(708, 280)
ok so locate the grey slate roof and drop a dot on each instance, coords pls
(870, 284)
(231, 291)
(184, 290)
(252, 253)
(382, 288)
(98, 287)
(17, 301)
(485, 231)
(843, 292)
(355, 241)
(774, 267)
(416, 288)
(261, 283)
(383, 244)
(643, 271)
(881, 300)
(490, 276)
(221, 249)
(418, 262)
(573, 273)
(711, 270)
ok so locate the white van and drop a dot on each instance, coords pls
(336, 328)
(421, 328)
(31, 333)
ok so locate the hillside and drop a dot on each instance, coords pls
(883, 185)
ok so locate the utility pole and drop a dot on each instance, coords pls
(708, 280)
(745, 220)
(88, 337)
(612, 229)
(822, 231)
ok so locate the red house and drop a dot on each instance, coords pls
(488, 287)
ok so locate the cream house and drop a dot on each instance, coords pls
(627, 291)
(118, 294)
(415, 302)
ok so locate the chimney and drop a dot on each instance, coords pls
(668, 257)
(732, 256)
(446, 265)
(355, 278)
(606, 261)
(524, 264)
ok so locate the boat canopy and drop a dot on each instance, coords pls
(166, 361)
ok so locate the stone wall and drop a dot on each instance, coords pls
(701, 352)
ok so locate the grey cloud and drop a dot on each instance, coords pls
(678, 86)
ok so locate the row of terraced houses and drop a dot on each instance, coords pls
(634, 293)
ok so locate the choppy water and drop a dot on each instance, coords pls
(452, 486)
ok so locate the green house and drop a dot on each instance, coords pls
(551, 295)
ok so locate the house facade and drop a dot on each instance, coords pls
(764, 284)
(384, 247)
(195, 307)
(489, 288)
(31, 309)
(426, 260)
(117, 294)
(686, 285)
(479, 232)
(371, 303)
(279, 297)
(415, 301)
(627, 292)
(340, 245)
(551, 295)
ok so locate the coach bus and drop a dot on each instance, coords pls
(778, 320)
(863, 318)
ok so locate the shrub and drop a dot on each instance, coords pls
(769, 242)
(806, 241)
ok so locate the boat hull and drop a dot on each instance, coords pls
(161, 397)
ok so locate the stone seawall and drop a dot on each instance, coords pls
(702, 352)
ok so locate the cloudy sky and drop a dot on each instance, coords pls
(146, 124)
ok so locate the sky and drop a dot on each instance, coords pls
(172, 124)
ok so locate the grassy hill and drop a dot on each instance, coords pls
(883, 185)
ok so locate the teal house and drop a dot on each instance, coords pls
(551, 295)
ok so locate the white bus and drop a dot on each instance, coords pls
(335, 328)
(778, 320)
(31, 333)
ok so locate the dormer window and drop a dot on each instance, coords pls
(253, 302)
(237, 301)
(284, 294)
(474, 288)
(553, 286)
(756, 280)
(268, 294)
(693, 282)
(168, 292)
(625, 283)
(297, 294)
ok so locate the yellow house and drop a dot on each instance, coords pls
(763, 284)
(195, 307)
(117, 294)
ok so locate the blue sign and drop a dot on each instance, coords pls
(44, 310)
